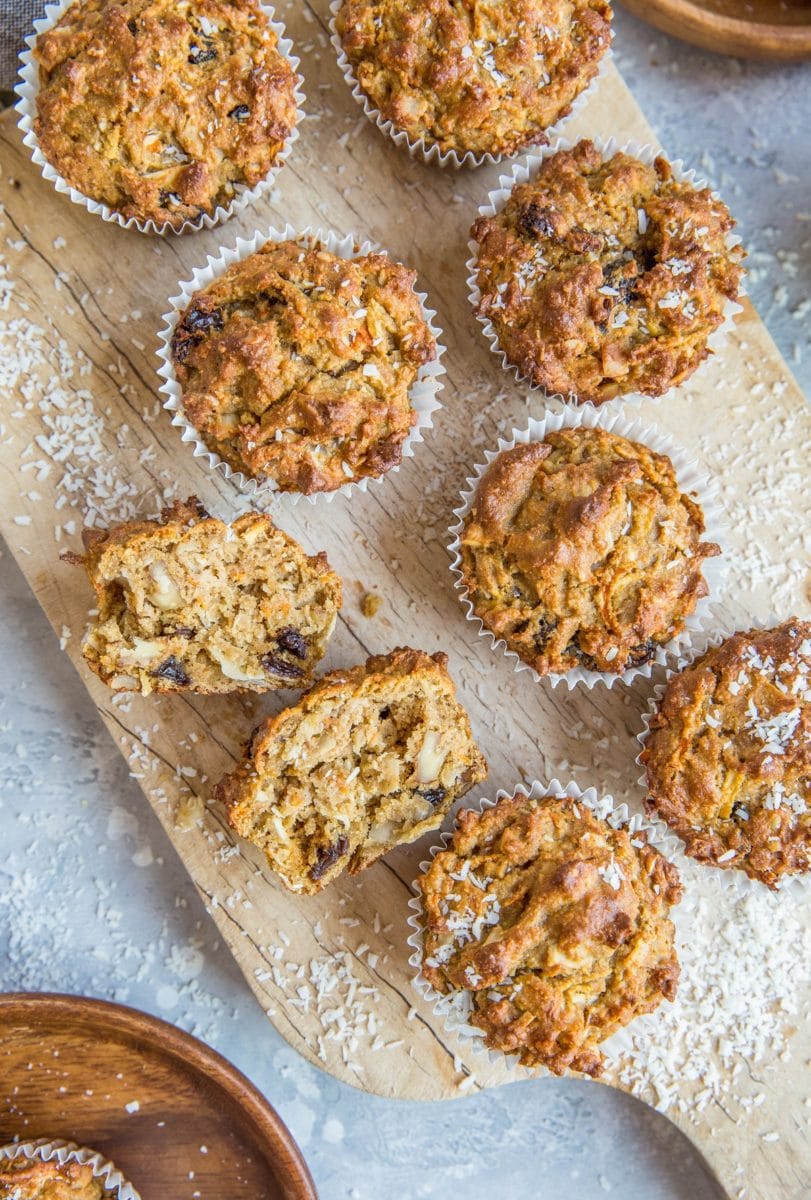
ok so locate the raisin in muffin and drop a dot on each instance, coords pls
(603, 278)
(161, 109)
(556, 924)
(188, 603)
(369, 759)
(24, 1178)
(580, 551)
(728, 756)
(296, 365)
(484, 78)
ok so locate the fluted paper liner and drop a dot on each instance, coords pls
(61, 1152)
(430, 152)
(522, 173)
(27, 87)
(422, 393)
(692, 478)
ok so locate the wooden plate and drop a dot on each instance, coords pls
(69, 1067)
(776, 29)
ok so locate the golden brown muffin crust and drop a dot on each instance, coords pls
(728, 757)
(557, 924)
(32, 1179)
(161, 108)
(606, 278)
(296, 365)
(580, 551)
(478, 75)
(369, 759)
(189, 603)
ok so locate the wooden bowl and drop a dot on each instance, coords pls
(151, 1098)
(774, 29)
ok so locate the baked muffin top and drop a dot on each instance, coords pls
(32, 1179)
(580, 551)
(160, 109)
(557, 924)
(296, 365)
(485, 77)
(603, 278)
(728, 757)
(370, 758)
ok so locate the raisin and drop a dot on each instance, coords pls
(277, 666)
(199, 320)
(641, 654)
(241, 113)
(543, 633)
(434, 796)
(385, 713)
(133, 28)
(582, 657)
(292, 641)
(181, 631)
(201, 54)
(172, 670)
(328, 856)
(615, 276)
(535, 222)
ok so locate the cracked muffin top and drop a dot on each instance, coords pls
(556, 924)
(474, 75)
(369, 759)
(580, 551)
(728, 757)
(161, 109)
(603, 278)
(32, 1179)
(189, 603)
(296, 365)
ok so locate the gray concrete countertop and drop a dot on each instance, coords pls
(93, 899)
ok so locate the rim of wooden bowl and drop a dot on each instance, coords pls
(692, 22)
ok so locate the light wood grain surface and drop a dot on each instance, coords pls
(101, 291)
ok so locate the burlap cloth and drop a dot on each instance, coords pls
(16, 19)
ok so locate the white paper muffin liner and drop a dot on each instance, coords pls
(429, 151)
(422, 393)
(27, 87)
(63, 1152)
(522, 173)
(733, 879)
(693, 479)
(454, 1008)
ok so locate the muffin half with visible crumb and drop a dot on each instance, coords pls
(296, 364)
(555, 922)
(581, 551)
(481, 78)
(602, 278)
(369, 759)
(189, 603)
(728, 755)
(161, 109)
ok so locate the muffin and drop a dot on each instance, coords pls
(162, 109)
(728, 756)
(369, 759)
(603, 278)
(580, 551)
(555, 923)
(483, 78)
(190, 604)
(296, 365)
(25, 1178)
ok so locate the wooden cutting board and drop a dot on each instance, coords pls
(332, 971)
(176, 1119)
